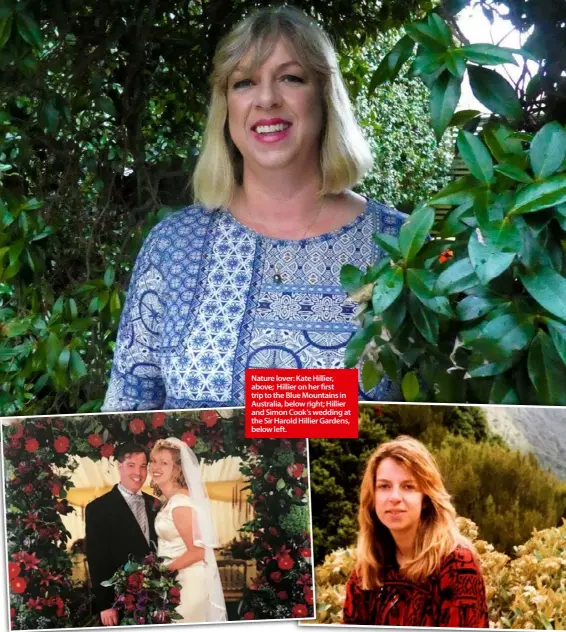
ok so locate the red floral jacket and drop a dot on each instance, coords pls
(453, 597)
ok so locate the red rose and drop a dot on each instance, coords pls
(253, 450)
(189, 438)
(270, 478)
(209, 417)
(158, 420)
(273, 531)
(174, 591)
(298, 492)
(55, 488)
(257, 471)
(94, 439)
(19, 431)
(275, 576)
(31, 444)
(60, 606)
(107, 450)
(13, 569)
(135, 581)
(301, 447)
(18, 585)
(137, 426)
(248, 616)
(295, 469)
(307, 592)
(299, 611)
(285, 562)
(61, 444)
(12, 613)
(28, 488)
(282, 595)
(305, 552)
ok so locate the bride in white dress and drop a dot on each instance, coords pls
(185, 530)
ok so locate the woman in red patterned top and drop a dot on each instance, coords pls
(414, 568)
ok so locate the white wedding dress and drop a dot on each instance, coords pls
(200, 602)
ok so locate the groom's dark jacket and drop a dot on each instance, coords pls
(112, 535)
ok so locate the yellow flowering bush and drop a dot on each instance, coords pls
(526, 592)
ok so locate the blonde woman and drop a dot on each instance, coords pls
(414, 568)
(249, 275)
(186, 536)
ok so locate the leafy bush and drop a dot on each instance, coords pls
(479, 314)
(527, 592)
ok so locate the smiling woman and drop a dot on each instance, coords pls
(249, 276)
(414, 568)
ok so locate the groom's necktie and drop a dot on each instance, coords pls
(136, 503)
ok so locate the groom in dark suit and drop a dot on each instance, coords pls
(119, 524)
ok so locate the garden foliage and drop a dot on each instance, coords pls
(480, 313)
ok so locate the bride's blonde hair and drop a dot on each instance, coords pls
(163, 444)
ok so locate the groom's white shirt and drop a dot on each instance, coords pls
(141, 519)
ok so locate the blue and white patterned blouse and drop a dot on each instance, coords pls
(203, 305)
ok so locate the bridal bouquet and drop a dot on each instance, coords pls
(146, 592)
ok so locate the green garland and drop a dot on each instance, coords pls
(37, 450)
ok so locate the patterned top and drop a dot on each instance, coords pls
(205, 303)
(454, 597)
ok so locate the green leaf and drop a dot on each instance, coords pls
(5, 29)
(462, 117)
(473, 307)
(15, 328)
(64, 358)
(488, 54)
(107, 105)
(427, 64)
(427, 35)
(351, 278)
(77, 366)
(455, 64)
(501, 141)
(548, 150)
(488, 261)
(454, 224)
(557, 333)
(422, 284)
(501, 337)
(392, 63)
(444, 96)
(513, 172)
(393, 317)
(109, 277)
(53, 350)
(389, 361)
(387, 288)
(29, 30)
(476, 156)
(410, 386)
(484, 368)
(371, 375)
(460, 191)
(440, 30)
(495, 92)
(424, 320)
(548, 288)
(388, 243)
(503, 392)
(280, 485)
(458, 277)
(357, 344)
(546, 371)
(414, 232)
(115, 303)
(540, 195)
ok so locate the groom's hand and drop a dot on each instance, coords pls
(109, 617)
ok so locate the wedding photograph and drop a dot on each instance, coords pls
(442, 516)
(153, 518)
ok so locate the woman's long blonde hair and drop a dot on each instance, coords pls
(437, 533)
(344, 155)
(163, 444)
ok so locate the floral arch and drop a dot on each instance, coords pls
(42, 593)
